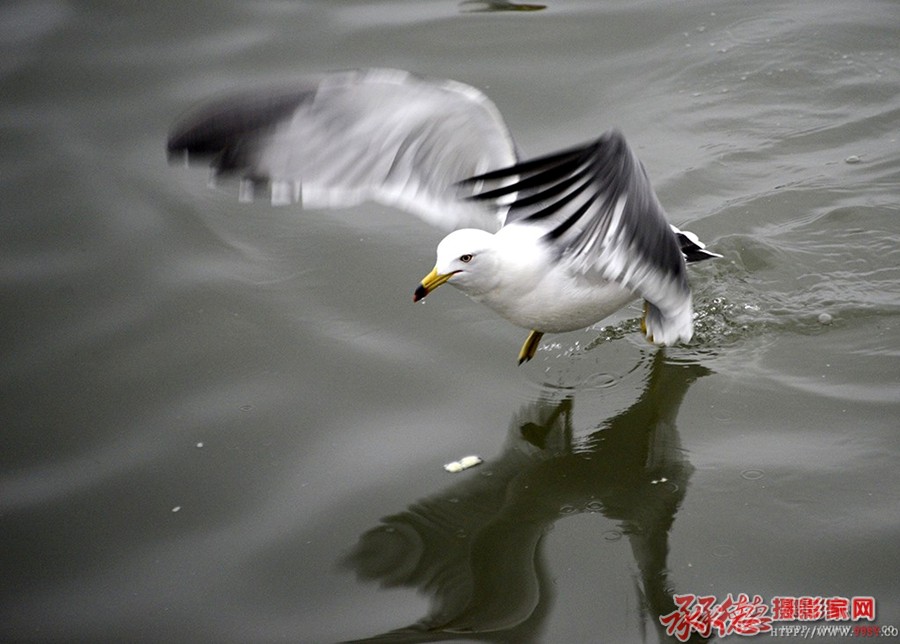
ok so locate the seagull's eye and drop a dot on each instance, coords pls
(465, 259)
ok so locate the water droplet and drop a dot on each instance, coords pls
(177, 508)
(825, 318)
(200, 444)
(723, 551)
(752, 475)
(612, 535)
(567, 509)
(594, 506)
(853, 158)
(602, 380)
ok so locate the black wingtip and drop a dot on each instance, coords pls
(692, 248)
(699, 255)
(224, 129)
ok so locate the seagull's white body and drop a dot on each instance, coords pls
(514, 274)
(559, 242)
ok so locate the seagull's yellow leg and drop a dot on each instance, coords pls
(530, 346)
(644, 321)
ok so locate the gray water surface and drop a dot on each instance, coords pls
(226, 422)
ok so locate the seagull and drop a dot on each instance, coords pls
(552, 244)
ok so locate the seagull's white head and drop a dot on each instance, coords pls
(467, 259)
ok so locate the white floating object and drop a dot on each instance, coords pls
(463, 464)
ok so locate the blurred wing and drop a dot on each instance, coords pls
(604, 220)
(380, 135)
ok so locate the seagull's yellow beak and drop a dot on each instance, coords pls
(431, 282)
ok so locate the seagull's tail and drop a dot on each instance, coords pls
(667, 329)
(692, 248)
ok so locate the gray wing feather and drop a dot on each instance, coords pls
(604, 220)
(380, 135)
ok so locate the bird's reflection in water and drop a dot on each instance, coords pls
(475, 548)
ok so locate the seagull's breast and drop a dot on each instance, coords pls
(555, 306)
(535, 291)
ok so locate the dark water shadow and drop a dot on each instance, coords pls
(476, 547)
(477, 6)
